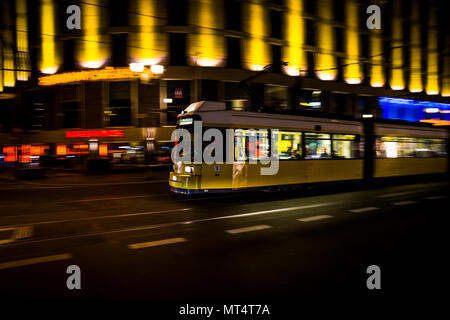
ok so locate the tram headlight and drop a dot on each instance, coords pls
(189, 169)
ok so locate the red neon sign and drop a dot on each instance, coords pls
(94, 133)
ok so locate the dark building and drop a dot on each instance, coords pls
(135, 64)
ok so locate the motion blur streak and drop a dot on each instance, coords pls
(49, 61)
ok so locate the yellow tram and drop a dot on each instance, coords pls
(308, 150)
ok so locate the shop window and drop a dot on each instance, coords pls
(132, 152)
(235, 98)
(37, 115)
(119, 113)
(180, 93)
(209, 90)
(276, 97)
(290, 145)
(71, 113)
(310, 99)
(317, 146)
(70, 107)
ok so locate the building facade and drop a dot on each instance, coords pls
(133, 65)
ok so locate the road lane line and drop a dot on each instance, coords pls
(363, 209)
(315, 218)
(387, 195)
(148, 244)
(264, 212)
(403, 203)
(105, 217)
(30, 186)
(10, 239)
(26, 262)
(114, 198)
(435, 197)
(248, 229)
(171, 224)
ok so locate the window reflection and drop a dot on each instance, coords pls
(345, 146)
(317, 146)
(290, 145)
(251, 144)
(404, 147)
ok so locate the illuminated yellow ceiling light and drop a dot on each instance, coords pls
(446, 77)
(376, 68)
(49, 60)
(9, 79)
(294, 27)
(93, 51)
(206, 46)
(147, 45)
(108, 73)
(22, 40)
(7, 39)
(352, 72)
(415, 78)
(256, 50)
(432, 61)
(1, 67)
(326, 63)
(397, 80)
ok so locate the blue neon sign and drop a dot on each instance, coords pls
(413, 110)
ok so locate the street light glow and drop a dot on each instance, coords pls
(136, 67)
(157, 69)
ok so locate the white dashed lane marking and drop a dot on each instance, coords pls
(366, 209)
(248, 229)
(403, 203)
(156, 243)
(26, 262)
(315, 218)
(17, 233)
(23, 232)
(435, 197)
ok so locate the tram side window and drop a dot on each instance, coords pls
(290, 145)
(405, 147)
(251, 144)
(438, 148)
(345, 146)
(317, 146)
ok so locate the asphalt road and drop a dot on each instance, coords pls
(133, 240)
